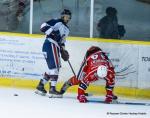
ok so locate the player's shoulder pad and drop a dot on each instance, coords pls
(52, 22)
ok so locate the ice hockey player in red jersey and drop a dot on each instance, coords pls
(95, 66)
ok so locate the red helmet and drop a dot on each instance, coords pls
(92, 50)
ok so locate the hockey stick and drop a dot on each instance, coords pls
(86, 94)
(119, 102)
(71, 68)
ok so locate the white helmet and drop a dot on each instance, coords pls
(102, 71)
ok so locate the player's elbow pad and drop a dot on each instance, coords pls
(46, 28)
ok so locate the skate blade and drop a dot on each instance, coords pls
(40, 93)
(54, 96)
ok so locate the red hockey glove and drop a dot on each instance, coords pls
(108, 99)
(111, 99)
(82, 98)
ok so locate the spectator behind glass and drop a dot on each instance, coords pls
(108, 25)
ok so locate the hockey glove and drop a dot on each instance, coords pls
(55, 36)
(64, 54)
(82, 98)
(111, 99)
(108, 99)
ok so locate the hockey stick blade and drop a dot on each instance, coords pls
(119, 102)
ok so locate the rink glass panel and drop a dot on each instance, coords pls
(133, 14)
(44, 10)
(14, 17)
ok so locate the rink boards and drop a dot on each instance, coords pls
(22, 62)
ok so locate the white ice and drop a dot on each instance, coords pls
(30, 105)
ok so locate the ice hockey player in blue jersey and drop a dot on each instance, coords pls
(56, 31)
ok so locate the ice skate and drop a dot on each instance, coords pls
(40, 89)
(111, 99)
(54, 94)
(115, 99)
(41, 92)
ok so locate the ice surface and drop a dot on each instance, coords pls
(30, 105)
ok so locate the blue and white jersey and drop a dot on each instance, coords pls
(56, 30)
